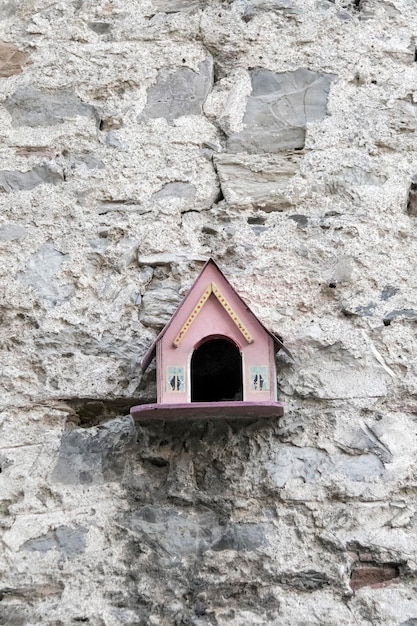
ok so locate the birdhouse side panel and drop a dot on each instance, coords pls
(259, 371)
(172, 375)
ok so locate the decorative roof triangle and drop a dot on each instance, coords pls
(212, 289)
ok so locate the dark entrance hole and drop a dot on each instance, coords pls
(216, 372)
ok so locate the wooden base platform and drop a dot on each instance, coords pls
(191, 411)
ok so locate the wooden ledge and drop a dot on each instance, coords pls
(191, 411)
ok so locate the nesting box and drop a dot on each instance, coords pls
(214, 358)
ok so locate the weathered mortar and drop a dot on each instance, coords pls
(137, 140)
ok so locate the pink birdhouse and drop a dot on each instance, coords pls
(214, 358)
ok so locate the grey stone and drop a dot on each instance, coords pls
(242, 537)
(336, 374)
(173, 6)
(350, 306)
(14, 615)
(120, 206)
(309, 580)
(25, 181)
(7, 8)
(358, 176)
(412, 621)
(159, 304)
(168, 258)
(278, 110)
(345, 17)
(40, 272)
(69, 541)
(367, 439)
(175, 532)
(309, 465)
(5, 462)
(12, 232)
(258, 182)
(96, 455)
(366, 310)
(185, 191)
(301, 220)
(113, 140)
(29, 106)
(405, 314)
(101, 28)
(291, 462)
(348, 179)
(179, 93)
(258, 230)
(181, 478)
(361, 467)
(253, 7)
(89, 160)
(388, 292)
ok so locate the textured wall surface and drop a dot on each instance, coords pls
(138, 138)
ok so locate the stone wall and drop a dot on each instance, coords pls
(138, 138)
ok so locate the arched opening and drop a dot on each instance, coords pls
(216, 372)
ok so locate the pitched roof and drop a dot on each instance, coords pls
(152, 350)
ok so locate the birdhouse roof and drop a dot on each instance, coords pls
(245, 309)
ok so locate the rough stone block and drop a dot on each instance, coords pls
(179, 93)
(242, 537)
(12, 60)
(158, 304)
(373, 575)
(101, 28)
(278, 110)
(311, 465)
(180, 190)
(409, 315)
(7, 8)
(258, 182)
(168, 258)
(174, 6)
(293, 463)
(366, 439)
(309, 580)
(174, 531)
(96, 455)
(12, 232)
(69, 541)
(25, 181)
(29, 106)
(360, 467)
(254, 7)
(40, 274)
(340, 380)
